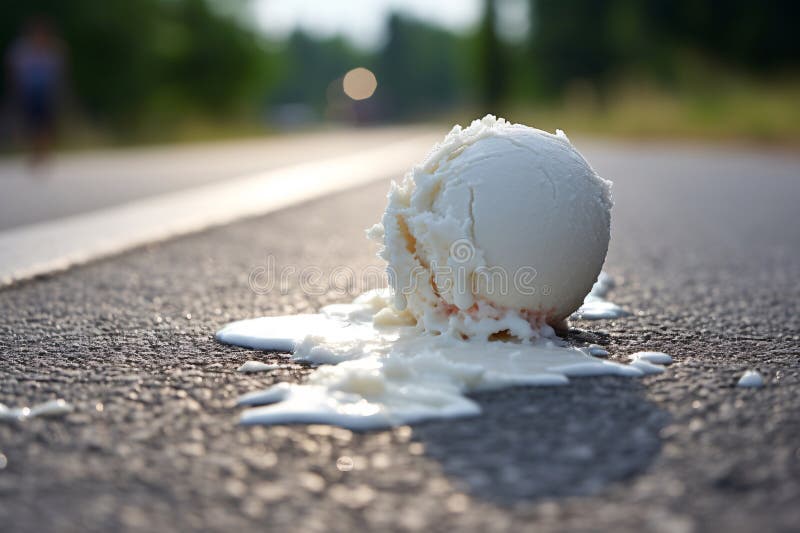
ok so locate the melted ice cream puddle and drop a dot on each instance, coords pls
(52, 408)
(380, 370)
(595, 306)
(750, 379)
(251, 367)
(650, 362)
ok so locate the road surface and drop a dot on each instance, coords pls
(77, 182)
(706, 250)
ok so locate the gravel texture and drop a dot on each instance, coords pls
(706, 250)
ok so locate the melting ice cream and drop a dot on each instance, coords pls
(503, 228)
(491, 243)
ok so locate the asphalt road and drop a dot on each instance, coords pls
(706, 249)
(77, 182)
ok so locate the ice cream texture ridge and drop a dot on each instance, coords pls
(503, 228)
(491, 244)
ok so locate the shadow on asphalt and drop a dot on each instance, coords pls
(548, 442)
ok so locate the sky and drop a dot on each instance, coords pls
(363, 22)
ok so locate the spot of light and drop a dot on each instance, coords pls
(359, 83)
(344, 463)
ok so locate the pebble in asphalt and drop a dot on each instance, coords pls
(707, 252)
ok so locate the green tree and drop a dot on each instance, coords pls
(571, 41)
(418, 69)
(133, 62)
(493, 64)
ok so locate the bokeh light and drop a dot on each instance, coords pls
(359, 83)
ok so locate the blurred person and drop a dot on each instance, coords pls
(35, 67)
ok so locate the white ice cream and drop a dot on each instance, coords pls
(503, 228)
(378, 372)
(497, 236)
(751, 379)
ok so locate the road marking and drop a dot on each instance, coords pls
(56, 245)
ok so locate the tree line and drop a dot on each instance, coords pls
(154, 61)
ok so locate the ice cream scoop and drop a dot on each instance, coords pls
(502, 229)
(496, 237)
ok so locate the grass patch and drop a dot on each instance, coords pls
(736, 110)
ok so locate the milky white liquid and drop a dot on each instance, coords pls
(377, 374)
(250, 367)
(595, 306)
(750, 379)
(53, 408)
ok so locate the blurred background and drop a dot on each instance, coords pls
(91, 73)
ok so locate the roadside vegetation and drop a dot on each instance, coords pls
(167, 70)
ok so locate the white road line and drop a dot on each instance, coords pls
(55, 245)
